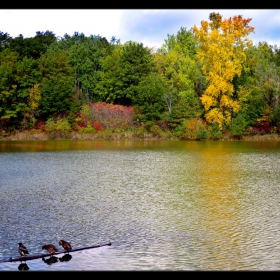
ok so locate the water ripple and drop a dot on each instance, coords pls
(193, 206)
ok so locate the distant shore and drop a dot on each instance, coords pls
(77, 136)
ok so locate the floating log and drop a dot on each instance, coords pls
(33, 257)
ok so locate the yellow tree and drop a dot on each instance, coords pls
(33, 102)
(221, 51)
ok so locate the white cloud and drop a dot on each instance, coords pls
(60, 22)
(146, 26)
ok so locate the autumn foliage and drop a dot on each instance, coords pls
(111, 116)
(221, 51)
(208, 82)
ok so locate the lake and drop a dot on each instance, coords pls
(163, 205)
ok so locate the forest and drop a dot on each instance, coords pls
(206, 82)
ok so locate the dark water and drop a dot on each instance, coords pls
(164, 205)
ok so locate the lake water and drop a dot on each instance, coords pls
(163, 205)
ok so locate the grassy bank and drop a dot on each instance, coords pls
(39, 135)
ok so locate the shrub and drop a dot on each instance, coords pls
(194, 130)
(140, 132)
(156, 131)
(202, 133)
(276, 116)
(262, 127)
(40, 125)
(88, 129)
(112, 116)
(59, 128)
(215, 132)
(97, 126)
(237, 126)
(164, 125)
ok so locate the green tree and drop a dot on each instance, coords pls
(56, 85)
(267, 74)
(183, 42)
(259, 85)
(122, 71)
(238, 125)
(9, 107)
(18, 77)
(28, 75)
(176, 62)
(32, 47)
(33, 103)
(251, 103)
(149, 100)
(110, 82)
(85, 59)
(5, 40)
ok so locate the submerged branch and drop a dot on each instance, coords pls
(33, 257)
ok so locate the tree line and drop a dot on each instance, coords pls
(201, 83)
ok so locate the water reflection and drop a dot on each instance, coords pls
(219, 209)
(23, 266)
(164, 205)
(65, 258)
(51, 260)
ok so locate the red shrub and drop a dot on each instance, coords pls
(40, 125)
(97, 126)
(112, 116)
(82, 124)
(5, 122)
(262, 127)
(164, 125)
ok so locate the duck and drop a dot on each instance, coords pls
(50, 248)
(22, 250)
(66, 245)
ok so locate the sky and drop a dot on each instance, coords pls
(147, 26)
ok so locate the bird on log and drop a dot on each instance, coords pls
(50, 248)
(22, 250)
(66, 245)
(37, 256)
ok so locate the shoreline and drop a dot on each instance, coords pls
(25, 136)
